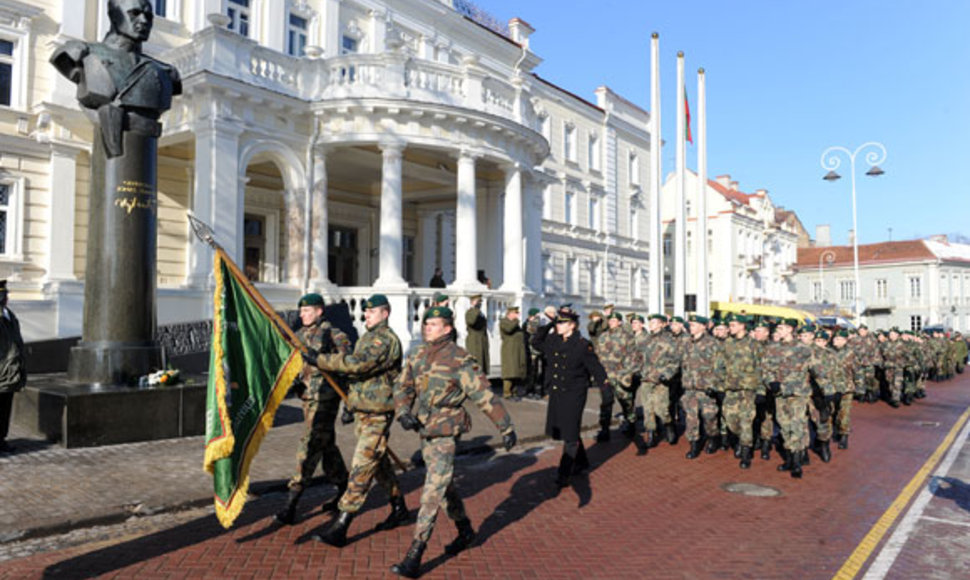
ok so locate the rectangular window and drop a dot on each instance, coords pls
(238, 13)
(296, 36)
(710, 241)
(816, 291)
(594, 152)
(637, 283)
(634, 168)
(6, 72)
(916, 323)
(160, 8)
(547, 274)
(348, 45)
(595, 280)
(847, 290)
(915, 287)
(667, 292)
(569, 142)
(634, 223)
(4, 215)
(594, 212)
(569, 208)
(572, 276)
(546, 202)
(408, 251)
(668, 246)
(882, 288)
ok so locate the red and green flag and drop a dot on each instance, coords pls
(251, 366)
(690, 137)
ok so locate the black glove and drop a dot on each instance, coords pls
(409, 422)
(711, 392)
(829, 399)
(662, 378)
(775, 387)
(606, 394)
(310, 356)
(759, 400)
(347, 417)
(509, 440)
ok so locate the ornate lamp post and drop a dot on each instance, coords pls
(828, 256)
(831, 160)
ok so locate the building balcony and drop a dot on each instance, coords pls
(387, 75)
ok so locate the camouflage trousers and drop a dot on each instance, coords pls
(370, 461)
(439, 485)
(865, 381)
(626, 397)
(823, 429)
(738, 411)
(894, 378)
(655, 400)
(765, 419)
(843, 410)
(910, 379)
(792, 414)
(699, 407)
(319, 445)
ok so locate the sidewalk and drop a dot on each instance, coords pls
(45, 489)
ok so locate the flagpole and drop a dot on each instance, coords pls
(655, 285)
(703, 300)
(680, 231)
(205, 234)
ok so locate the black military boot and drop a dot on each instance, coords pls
(671, 433)
(288, 514)
(713, 444)
(336, 534)
(398, 516)
(565, 470)
(627, 429)
(651, 438)
(788, 456)
(745, 457)
(736, 445)
(466, 537)
(796, 464)
(603, 436)
(824, 451)
(894, 404)
(844, 442)
(582, 461)
(640, 444)
(695, 449)
(331, 504)
(766, 449)
(410, 566)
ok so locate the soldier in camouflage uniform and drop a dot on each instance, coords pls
(894, 363)
(437, 379)
(743, 386)
(597, 322)
(615, 349)
(913, 367)
(866, 349)
(720, 333)
(534, 381)
(824, 395)
(787, 370)
(372, 369)
(702, 369)
(659, 363)
(845, 381)
(681, 338)
(320, 404)
(765, 413)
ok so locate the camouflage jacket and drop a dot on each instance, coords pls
(326, 339)
(372, 369)
(893, 355)
(914, 356)
(866, 350)
(702, 367)
(596, 328)
(844, 377)
(792, 364)
(742, 365)
(437, 379)
(829, 365)
(616, 351)
(661, 358)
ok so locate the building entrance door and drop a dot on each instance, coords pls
(342, 260)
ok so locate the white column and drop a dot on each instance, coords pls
(680, 229)
(320, 228)
(513, 275)
(427, 244)
(295, 219)
(276, 14)
(448, 249)
(60, 264)
(466, 225)
(655, 278)
(217, 197)
(331, 28)
(532, 204)
(392, 218)
(703, 298)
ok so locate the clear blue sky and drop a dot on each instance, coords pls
(786, 80)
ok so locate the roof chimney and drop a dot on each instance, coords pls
(724, 180)
(851, 237)
(520, 30)
(734, 185)
(823, 236)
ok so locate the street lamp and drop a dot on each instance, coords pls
(828, 256)
(831, 161)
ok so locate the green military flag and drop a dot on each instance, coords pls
(252, 364)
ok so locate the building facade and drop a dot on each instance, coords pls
(342, 146)
(908, 284)
(751, 243)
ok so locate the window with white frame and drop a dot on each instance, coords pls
(572, 276)
(882, 288)
(944, 289)
(594, 212)
(667, 284)
(710, 241)
(161, 8)
(546, 202)
(594, 151)
(548, 274)
(6, 72)
(239, 15)
(710, 283)
(955, 288)
(916, 323)
(690, 245)
(915, 287)
(636, 283)
(816, 291)
(668, 245)
(634, 168)
(545, 127)
(595, 279)
(11, 213)
(569, 141)
(966, 289)
(569, 208)
(296, 35)
(634, 223)
(349, 45)
(847, 290)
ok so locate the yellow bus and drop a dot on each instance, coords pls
(759, 311)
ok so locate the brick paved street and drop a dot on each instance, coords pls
(658, 516)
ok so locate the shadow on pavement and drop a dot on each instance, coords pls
(952, 488)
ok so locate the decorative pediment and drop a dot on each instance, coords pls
(18, 14)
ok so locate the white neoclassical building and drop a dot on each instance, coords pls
(751, 243)
(345, 146)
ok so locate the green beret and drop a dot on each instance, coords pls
(533, 311)
(637, 317)
(762, 324)
(440, 297)
(894, 329)
(660, 317)
(808, 328)
(861, 326)
(375, 301)
(731, 317)
(311, 299)
(439, 312)
(821, 334)
(719, 322)
(615, 316)
(697, 318)
(792, 322)
(679, 319)
(843, 333)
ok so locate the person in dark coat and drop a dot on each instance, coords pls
(13, 370)
(514, 355)
(572, 363)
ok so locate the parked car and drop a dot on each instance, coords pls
(831, 322)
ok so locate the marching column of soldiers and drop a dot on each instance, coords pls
(738, 383)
